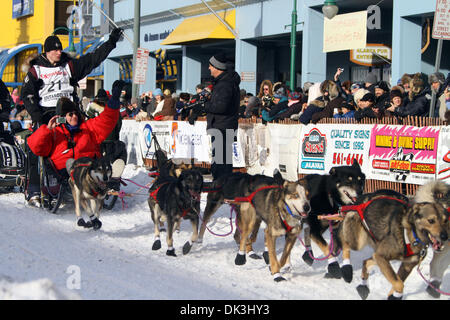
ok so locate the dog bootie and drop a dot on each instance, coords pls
(278, 278)
(363, 291)
(187, 247)
(253, 255)
(266, 256)
(96, 224)
(84, 224)
(334, 271)
(240, 259)
(35, 201)
(156, 245)
(396, 296)
(171, 252)
(431, 289)
(347, 272)
(308, 257)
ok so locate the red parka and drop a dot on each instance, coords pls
(54, 143)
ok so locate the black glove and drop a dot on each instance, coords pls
(117, 88)
(115, 34)
(114, 102)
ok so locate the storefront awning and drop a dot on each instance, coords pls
(202, 28)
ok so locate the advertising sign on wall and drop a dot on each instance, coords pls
(443, 155)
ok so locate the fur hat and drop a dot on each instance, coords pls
(52, 43)
(395, 93)
(64, 106)
(436, 77)
(368, 97)
(416, 85)
(330, 87)
(280, 93)
(383, 85)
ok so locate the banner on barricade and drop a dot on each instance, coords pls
(443, 155)
(161, 130)
(283, 150)
(322, 147)
(130, 136)
(190, 141)
(403, 153)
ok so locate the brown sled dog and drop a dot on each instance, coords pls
(396, 230)
(282, 208)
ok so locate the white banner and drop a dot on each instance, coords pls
(323, 146)
(162, 131)
(284, 145)
(130, 136)
(190, 141)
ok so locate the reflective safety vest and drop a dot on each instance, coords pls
(56, 84)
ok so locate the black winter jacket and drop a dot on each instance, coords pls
(418, 106)
(222, 110)
(80, 68)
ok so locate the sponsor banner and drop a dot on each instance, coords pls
(247, 145)
(162, 130)
(190, 141)
(443, 155)
(130, 136)
(403, 153)
(284, 144)
(325, 146)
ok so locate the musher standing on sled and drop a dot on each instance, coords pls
(52, 75)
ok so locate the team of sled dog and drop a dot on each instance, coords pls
(395, 226)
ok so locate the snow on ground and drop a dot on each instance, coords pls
(45, 256)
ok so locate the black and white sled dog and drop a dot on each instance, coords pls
(88, 181)
(437, 191)
(171, 199)
(328, 193)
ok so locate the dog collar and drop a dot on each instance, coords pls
(417, 241)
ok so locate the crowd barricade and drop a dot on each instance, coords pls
(394, 153)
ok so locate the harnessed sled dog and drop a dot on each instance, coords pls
(437, 191)
(397, 229)
(328, 193)
(88, 182)
(280, 204)
(171, 199)
(282, 208)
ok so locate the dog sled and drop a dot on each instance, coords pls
(12, 162)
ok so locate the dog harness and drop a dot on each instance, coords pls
(94, 192)
(253, 194)
(154, 195)
(360, 208)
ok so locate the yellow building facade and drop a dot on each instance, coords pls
(25, 30)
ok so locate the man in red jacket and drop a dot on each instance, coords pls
(75, 138)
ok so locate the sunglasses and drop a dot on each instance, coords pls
(71, 114)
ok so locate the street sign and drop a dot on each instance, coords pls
(441, 25)
(140, 70)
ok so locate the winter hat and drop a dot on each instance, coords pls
(280, 93)
(52, 43)
(64, 106)
(368, 97)
(383, 85)
(102, 96)
(306, 86)
(371, 78)
(185, 96)
(356, 85)
(253, 101)
(218, 61)
(167, 92)
(436, 77)
(359, 94)
(16, 127)
(395, 93)
(157, 92)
